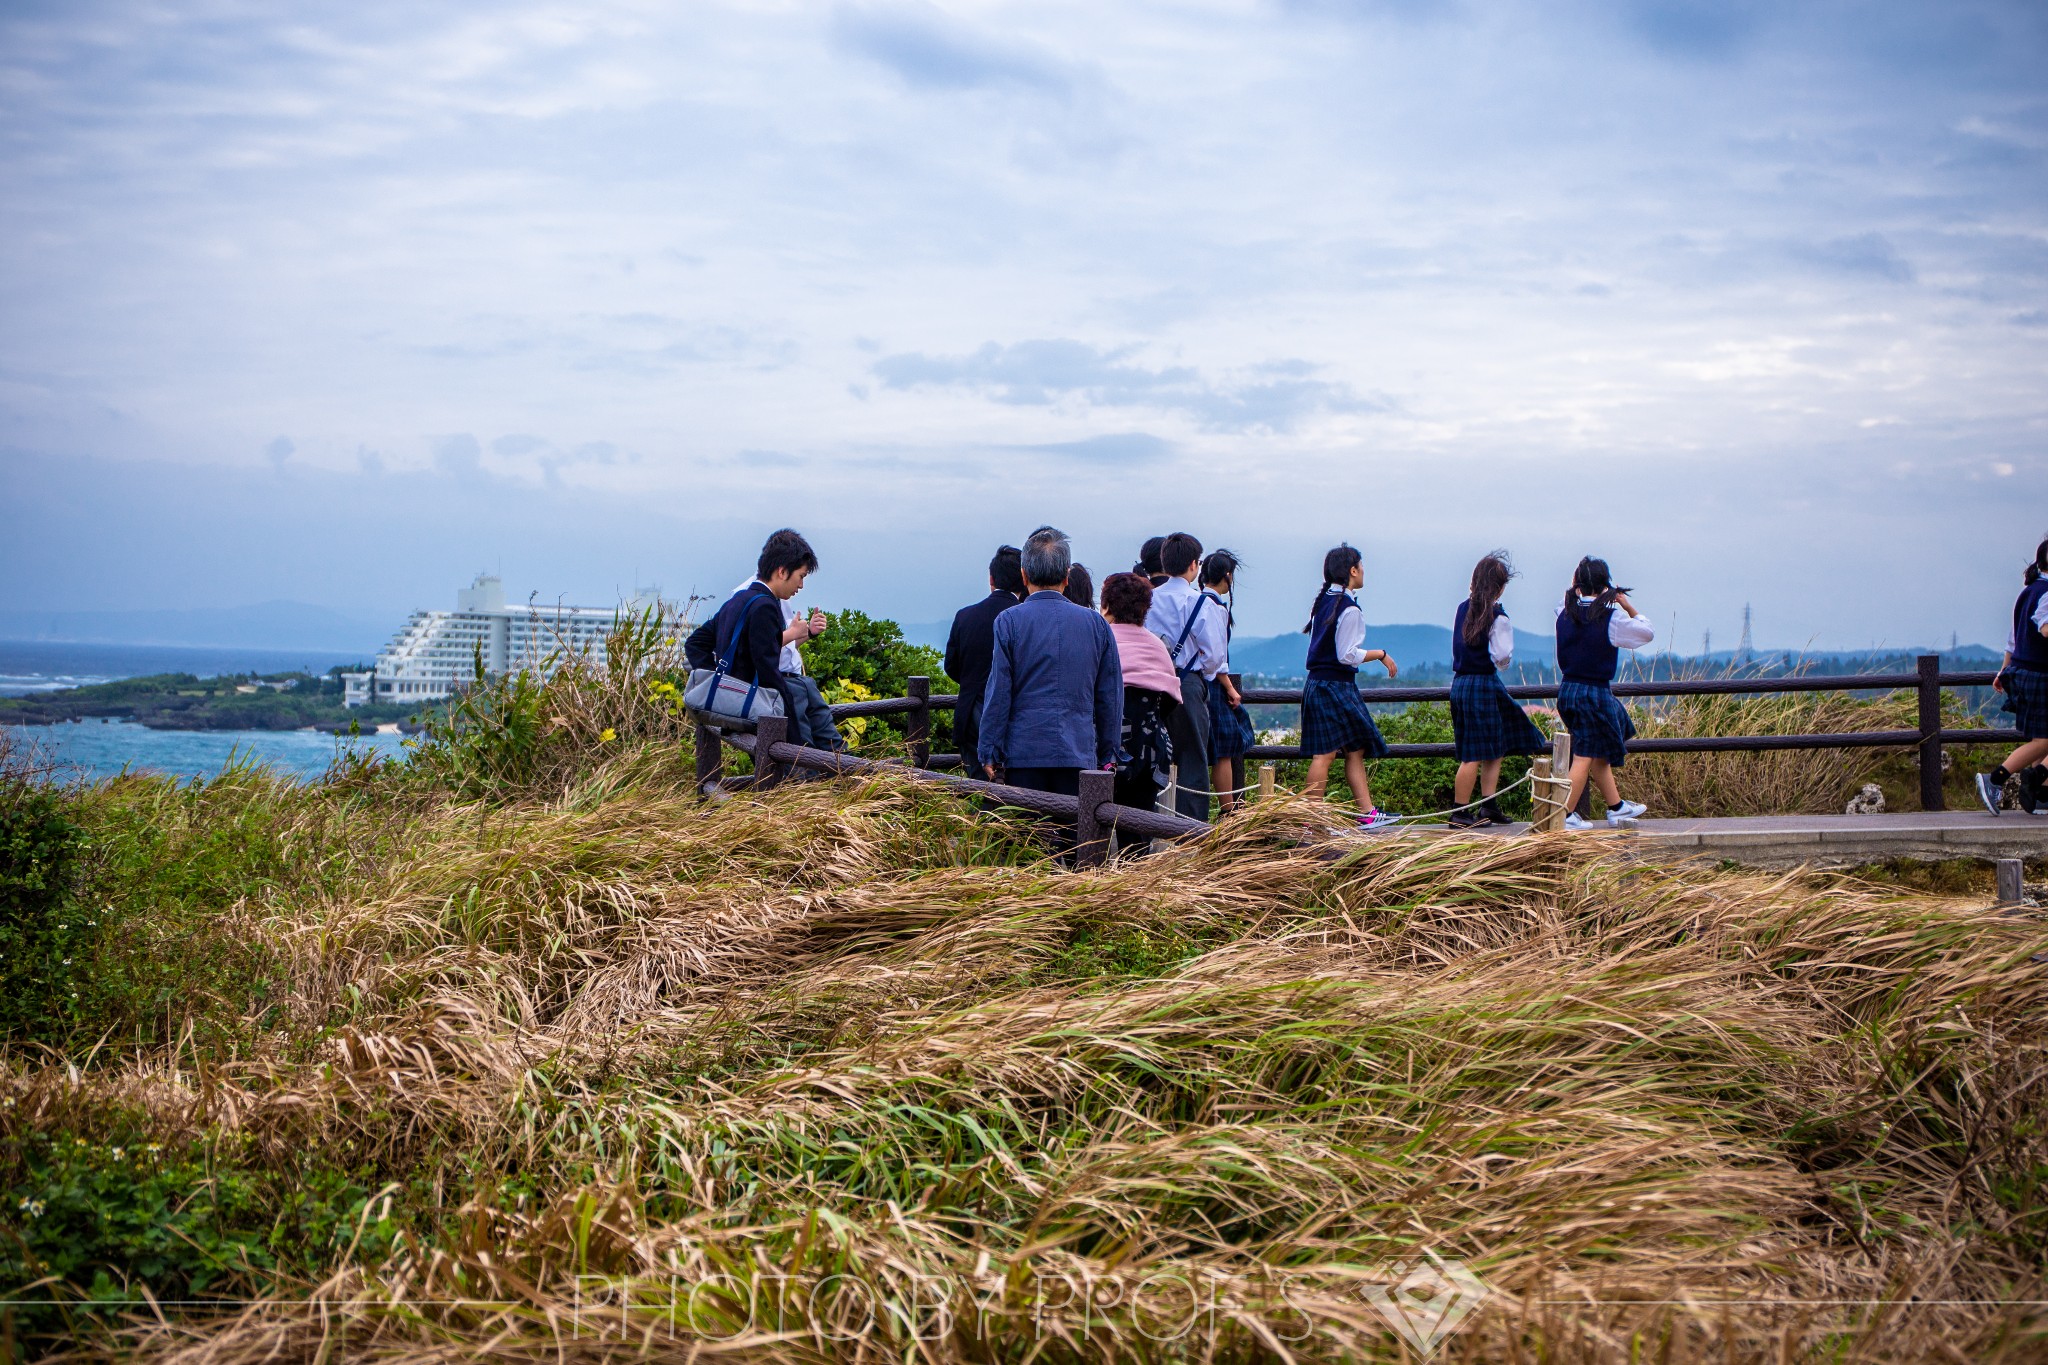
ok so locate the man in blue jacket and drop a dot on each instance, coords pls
(1055, 698)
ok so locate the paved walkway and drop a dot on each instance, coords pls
(1832, 840)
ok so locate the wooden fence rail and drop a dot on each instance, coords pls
(1929, 737)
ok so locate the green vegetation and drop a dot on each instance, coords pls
(180, 701)
(860, 658)
(520, 1051)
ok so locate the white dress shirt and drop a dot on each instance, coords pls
(2012, 638)
(1349, 635)
(1625, 631)
(1207, 647)
(791, 661)
(1500, 641)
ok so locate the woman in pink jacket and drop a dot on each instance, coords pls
(1151, 692)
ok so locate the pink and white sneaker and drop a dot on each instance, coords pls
(1377, 819)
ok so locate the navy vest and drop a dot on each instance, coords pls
(1471, 660)
(2029, 650)
(1584, 653)
(1322, 639)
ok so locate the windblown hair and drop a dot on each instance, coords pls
(1489, 580)
(1219, 565)
(1337, 567)
(1081, 587)
(2040, 564)
(785, 551)
(1591, 580)
(1126, 598)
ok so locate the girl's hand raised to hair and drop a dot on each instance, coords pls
(1621, 600)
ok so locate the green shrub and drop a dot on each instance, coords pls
(188, 1222)
(1422, 786)
(873, 654)
(46, 935)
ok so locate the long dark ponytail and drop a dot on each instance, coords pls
(1337, 567)
(1592, 580)
(1489, 580)
(1222, 564)
(2040, 564)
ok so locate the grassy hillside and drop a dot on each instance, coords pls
(521, 1052)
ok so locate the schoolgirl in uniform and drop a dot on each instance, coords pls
(1333, 716)
(1596, 622)
(1230, 730)
(1487, 723)
(2024, 680)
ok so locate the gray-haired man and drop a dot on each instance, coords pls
(1055, 699)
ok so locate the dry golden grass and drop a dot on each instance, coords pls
(685, 1081)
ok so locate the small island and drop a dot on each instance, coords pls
(181, 701)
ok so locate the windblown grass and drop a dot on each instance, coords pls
(847, 1071)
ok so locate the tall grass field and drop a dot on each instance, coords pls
(520, 1051)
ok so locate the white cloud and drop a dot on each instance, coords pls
(1258, 268)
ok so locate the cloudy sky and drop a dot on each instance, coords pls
(342, 302)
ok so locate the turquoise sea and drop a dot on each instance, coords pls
(96, 748)
(104, 748)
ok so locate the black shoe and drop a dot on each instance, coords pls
(1467, 819)
(1493, 813)
(2032, 781)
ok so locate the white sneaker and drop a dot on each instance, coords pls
(1626, 813)
(1574, 820)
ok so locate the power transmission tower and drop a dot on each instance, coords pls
(1742, 650)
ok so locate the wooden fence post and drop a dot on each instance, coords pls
(1091, 836)
(1269, 776)
(769, 732)
(710, 756)
(1560, 768)
(1930, 733)
(2012, 881)
(1540, 800)
(918, 728)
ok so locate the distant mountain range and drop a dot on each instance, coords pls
(266, 625)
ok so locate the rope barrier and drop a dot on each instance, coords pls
(1172, 789)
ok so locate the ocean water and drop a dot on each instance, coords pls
(94, 748)
(97, 748)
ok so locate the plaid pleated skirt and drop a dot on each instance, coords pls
(1487, 723)
(1334, 721)
(2026, 696)
(1599, 724)
(1229, 727)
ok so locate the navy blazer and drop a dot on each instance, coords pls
(1055, 688)
(971, 646)
(759, 657)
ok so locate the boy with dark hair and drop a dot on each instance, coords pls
(1179, 553)
(769, 645)
(1198, 642)
(970, 648)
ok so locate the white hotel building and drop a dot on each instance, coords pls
(436, 652)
